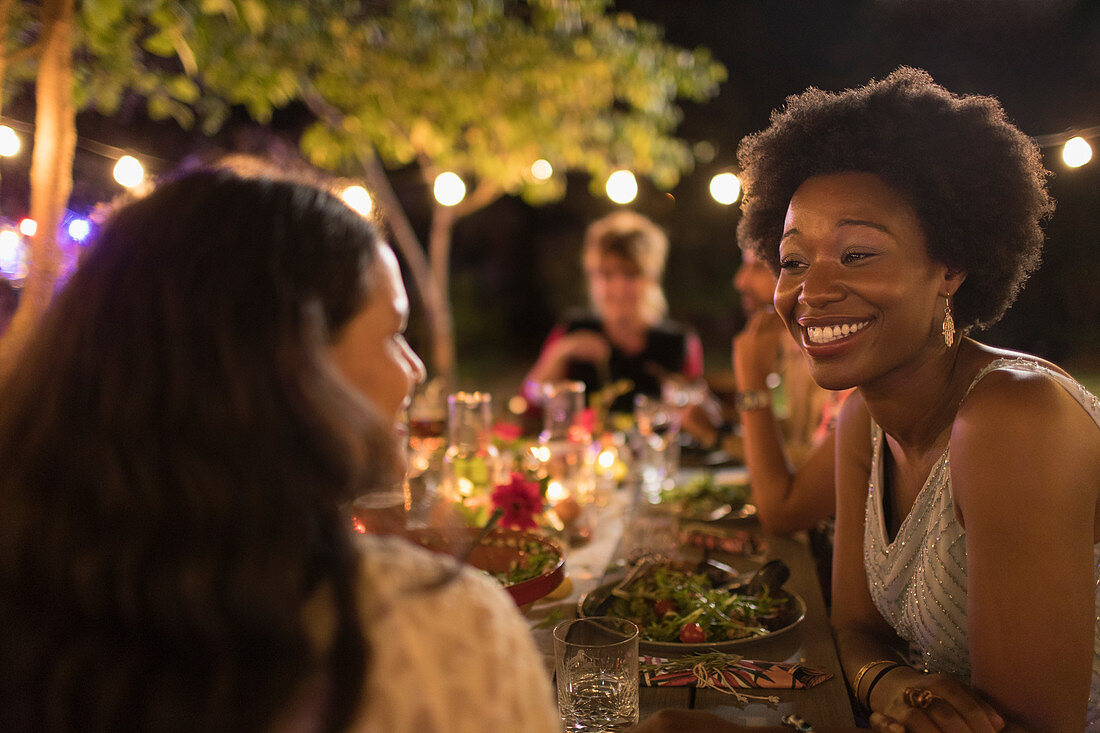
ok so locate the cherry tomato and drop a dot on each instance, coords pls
(663, 606)
(692, 634)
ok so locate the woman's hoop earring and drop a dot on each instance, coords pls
(948, 326)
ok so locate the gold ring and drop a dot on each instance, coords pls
(918, 697)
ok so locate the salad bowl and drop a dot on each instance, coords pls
(528, 565)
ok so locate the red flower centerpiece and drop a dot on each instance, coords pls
(520, 500)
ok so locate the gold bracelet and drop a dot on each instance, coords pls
(752, 399)
(874, 681)
(864, 670)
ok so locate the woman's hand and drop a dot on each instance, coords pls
(587, 346)
(953, 706)
(756, 349)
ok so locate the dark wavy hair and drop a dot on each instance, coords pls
(177, 449)
(975, 181)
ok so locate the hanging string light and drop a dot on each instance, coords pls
(541, 169)
(725, 188)
(9, 142)
(1076, 150)
(621, 187)
(129, 172)
(358, 198)
(449, 189)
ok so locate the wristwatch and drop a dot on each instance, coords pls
(752, 399)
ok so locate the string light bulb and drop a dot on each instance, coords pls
(9, 141)
(359, 199)
(541, 169)
(79, 229)
(725, 188)
(1076, 152)
(621, 187)
(129, 171)
(449, 189)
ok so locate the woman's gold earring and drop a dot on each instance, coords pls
(948, 326)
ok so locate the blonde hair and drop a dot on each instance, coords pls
(637, 240)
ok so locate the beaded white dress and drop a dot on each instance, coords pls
(918, 581)
(459, 659)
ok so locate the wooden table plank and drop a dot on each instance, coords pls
(810, 642)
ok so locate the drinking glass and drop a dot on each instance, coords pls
(647, 533)
(596, 666)
(427, 419)
(657, 458)
(564, 442)
(382, 511)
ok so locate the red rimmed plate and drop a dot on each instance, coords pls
(499, 552)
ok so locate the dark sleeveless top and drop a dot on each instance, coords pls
(665, 353)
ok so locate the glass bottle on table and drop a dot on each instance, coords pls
(564, 456)
(471, 463)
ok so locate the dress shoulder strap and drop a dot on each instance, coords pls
(1004, 363)
(1088, 400)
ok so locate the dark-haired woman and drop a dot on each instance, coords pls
(218, 379)
(901, 217)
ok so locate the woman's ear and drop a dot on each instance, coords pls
(952, 279)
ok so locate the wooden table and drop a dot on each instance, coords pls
(810, 642)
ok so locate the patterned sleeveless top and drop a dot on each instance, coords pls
(918, 581)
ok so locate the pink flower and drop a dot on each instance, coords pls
(507, 432)
(586, 424)
(520, 500)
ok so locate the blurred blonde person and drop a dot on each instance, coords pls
(626, 334)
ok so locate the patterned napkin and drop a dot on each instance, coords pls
(729, 674)
(737, 542)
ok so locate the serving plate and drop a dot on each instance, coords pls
(794, 614)
(707, 496)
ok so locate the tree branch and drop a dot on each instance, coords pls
(483, 194)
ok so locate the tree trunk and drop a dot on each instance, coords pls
(51, 174)
(437, 310)
(439, 253)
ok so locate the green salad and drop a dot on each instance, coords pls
(534, 560)
(670, 604)
(702, 494)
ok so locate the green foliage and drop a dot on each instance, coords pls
(192, 61)
(481, 87)
(486, 87)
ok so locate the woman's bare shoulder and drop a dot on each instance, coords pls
(1024, 426)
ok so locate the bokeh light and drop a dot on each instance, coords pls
(9, 141)
(622, 187)
(79, 229)
(449, 189)
(1076, 152)
(129, 172)
(27, 227)
(725, 188)
(358, 198)
(541, 169)
(13, 254)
